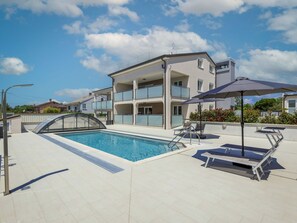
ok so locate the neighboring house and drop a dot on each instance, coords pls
(225, 73)
(51, 103)
(102, 103)
(152, 93)
(290, 103)
(83, 105)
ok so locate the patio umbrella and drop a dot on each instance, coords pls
(199, 101)
(243, 86)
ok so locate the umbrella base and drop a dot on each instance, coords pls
(242, 165)
(202, 136)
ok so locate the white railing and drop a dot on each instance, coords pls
(36, 118)
(123, 119)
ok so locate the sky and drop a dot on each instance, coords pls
(66, 48)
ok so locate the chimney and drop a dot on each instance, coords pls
(50, 100)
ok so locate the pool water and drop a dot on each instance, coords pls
(133, 148)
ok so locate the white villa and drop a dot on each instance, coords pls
(290, 103)
(152, 93)
(83, 105)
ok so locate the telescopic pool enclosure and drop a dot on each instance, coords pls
(69, 122)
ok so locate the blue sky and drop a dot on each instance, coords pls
(66, 47)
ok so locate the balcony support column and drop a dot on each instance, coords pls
(167, 98)
(135, 112)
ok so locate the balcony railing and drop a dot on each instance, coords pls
(149, 92)
(180, 92)
(102, 105)
(123, 96)
(176, 120)
(149, 120)
(123, 119)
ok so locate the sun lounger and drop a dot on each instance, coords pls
(186, 127)
(274, 135)
(256, 164)
(277, 129)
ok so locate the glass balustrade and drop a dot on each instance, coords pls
(149, 92)
(180, 92)
(102, 105)
(123, 119)
(176, 120)
(123, 96)
(149, 120)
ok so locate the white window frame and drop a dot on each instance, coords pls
(177, 110)
(200, 63)
(84, 106)
(145, 110)
(211, 69)
(178, 83)
(210, 87)
(201, 87)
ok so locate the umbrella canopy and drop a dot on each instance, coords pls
(195, 100)
(245, 87)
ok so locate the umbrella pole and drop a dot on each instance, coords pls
(200, 118)
(242, 126)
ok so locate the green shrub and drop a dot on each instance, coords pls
(287, 118)
(51, 110)
(251, 116)
(269, 119)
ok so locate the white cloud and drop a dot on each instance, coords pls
(287, 23)
(71, 8)
(248, 101)
(183, 26)
(214, 7)
(117, 10)
(157, 41)
(74, 93)
(100, 24)
(127, 49)
(219, 7)
(103, 64)
(274, 65)
(210, 23)
(13, 65)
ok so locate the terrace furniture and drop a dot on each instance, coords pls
(277, 129)
(256, 164)
(186, 126)
(273, 137)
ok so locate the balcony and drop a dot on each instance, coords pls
(123, 96)
(123, 119)
(149, 92)
(149, 120)
(180, 92)
(102, 105)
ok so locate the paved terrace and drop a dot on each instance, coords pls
(51, 184)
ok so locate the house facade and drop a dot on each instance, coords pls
(83, 105)
(51, 103)
(152, 93)
(290, 103)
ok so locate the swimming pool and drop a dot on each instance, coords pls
(133, 148)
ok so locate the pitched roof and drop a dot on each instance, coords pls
(159, 58)
(81, 100)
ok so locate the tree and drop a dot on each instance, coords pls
(23, 108)
(269, 104)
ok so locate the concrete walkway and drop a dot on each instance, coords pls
(51, 184)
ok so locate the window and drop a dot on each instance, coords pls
(211, 69)
(177, 110)
(199, 85)
(178, 83)
(292, 106)
(84, 106)
(200, 63)
(210, 86)
(147, 110)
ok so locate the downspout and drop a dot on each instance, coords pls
(164, 66)
(112, 99)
